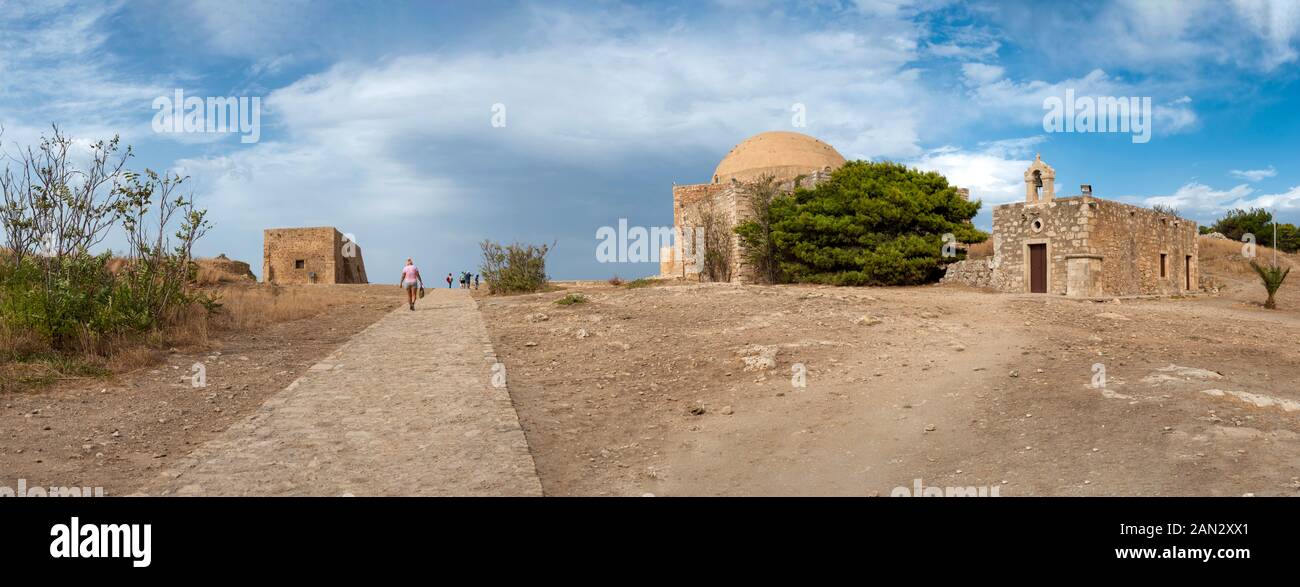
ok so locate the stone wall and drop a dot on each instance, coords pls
(730, 200)
(1131, 239)
(310, 255)
(223, 268)
(972, 272)
(1094, 247)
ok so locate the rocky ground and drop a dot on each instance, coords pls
(692, 390)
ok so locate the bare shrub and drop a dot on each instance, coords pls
(514, 268)
(718, 243)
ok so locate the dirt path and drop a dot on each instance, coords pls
(406, 407)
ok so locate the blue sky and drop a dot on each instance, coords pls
(376, 116)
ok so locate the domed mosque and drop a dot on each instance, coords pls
(784, 155)
(792, 159)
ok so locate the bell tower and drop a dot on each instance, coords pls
(1040, 182)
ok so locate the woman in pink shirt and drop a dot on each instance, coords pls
(410, 280)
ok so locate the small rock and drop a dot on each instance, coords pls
(1013, 373)
(930, 428)
(530, 343)
(868, 321)
(727, 410)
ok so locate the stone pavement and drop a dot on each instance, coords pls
(406, 407)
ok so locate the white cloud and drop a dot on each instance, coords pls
(1208, 203)
(1254, 175)
(405, 145)
(1277, 22)
(596, 102)
(981, 74)
(1198, 197)
(1285, 201)
(58, 68)
(1023, 102)
(1178, 37)
(994, 172)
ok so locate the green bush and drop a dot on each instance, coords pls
(54, 212)
(514, 268)
(639, 283)
(571, 299)
(1288, 238)
(1272, 277)
(1256, 221)
(869, 224)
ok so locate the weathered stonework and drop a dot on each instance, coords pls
(310, 255)
(972, 272)
(1091, 247)
(729, 200)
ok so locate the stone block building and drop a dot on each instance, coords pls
(310, 255)
(1083, 246)
(792, 159)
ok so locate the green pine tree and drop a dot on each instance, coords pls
(871, 224)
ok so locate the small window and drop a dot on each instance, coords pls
(299, 264)
(1163, 271)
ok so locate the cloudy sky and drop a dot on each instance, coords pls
(377, 117)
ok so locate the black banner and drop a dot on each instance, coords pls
(162, 536)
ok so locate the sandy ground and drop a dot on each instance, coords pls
(646, 391)
(120, 433)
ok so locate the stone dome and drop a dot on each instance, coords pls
(783, 154)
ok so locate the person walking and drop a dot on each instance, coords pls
(475, 281)
(448, 281)
(410, 281)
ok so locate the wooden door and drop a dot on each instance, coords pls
(1038, 268)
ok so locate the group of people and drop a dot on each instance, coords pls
(465, 280)
(413, 283)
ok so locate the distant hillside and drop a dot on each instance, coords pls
(1223, 266)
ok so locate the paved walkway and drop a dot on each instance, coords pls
(406, 407)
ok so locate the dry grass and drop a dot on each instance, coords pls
(249, 308)
(26, 361)
(980, 250)
(1223, 258)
